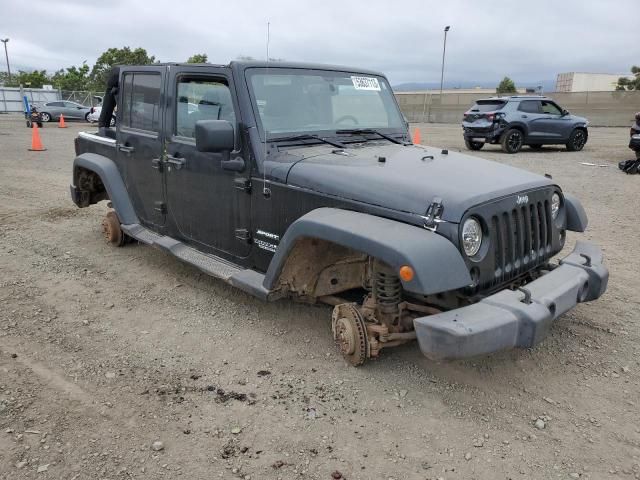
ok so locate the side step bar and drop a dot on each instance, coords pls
(247, 280)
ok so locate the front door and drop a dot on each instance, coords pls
(72, 110)
(554, 125)
(206, 203)
(139, 142)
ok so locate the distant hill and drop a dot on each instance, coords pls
(547, 85)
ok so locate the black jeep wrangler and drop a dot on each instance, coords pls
(301, 181)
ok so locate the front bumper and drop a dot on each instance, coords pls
(508, 318)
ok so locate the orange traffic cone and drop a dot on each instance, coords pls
(61, 124)
(416, 136)
(36, 143)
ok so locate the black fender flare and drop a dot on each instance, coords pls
(108, 172)
(577, 219)
(437, 263)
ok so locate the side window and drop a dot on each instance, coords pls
(55, 104)
(141, 101)
(530, 106)
(201, 98)
(550, 108)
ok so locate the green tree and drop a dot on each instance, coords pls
(35, 79)
(506, 86)
(117, 56)
(4, 78)
(625, 83)
(198, 58)
(72, 78)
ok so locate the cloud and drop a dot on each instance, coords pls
(490, 39)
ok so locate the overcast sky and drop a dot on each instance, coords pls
(528, 41)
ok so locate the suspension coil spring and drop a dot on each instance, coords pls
(387, 288)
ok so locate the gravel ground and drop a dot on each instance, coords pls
(105, 352)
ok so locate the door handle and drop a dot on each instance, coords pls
(125, 148)
(177, 162)
(157, 164)
(525, 116)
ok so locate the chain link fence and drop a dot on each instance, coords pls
(603, 109)
(11, 99)
(83, 97)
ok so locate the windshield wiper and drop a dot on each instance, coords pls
(370, 131)
(307, 136)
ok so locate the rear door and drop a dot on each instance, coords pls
(139, 141)
(530, 113)
(208, 205)
(54, 109)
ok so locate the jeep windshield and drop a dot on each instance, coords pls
(290, 102)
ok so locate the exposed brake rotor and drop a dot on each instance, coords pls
(350, 333)
(111, 229)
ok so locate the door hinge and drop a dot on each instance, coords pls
(243, 184)
(157, 164)
(160, 207)
(243, 234)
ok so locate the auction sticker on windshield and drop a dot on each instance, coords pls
(366, 83)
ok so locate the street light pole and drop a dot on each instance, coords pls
(5, 40)
(444, 50)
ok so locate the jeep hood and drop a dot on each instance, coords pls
(409, 178)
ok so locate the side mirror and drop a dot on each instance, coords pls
(565, 112)
(214, 136)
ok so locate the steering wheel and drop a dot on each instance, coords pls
(347, 117)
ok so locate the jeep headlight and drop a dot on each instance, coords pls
(471, 236)
(555, 205)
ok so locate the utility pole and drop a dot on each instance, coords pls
(5, 40)
(444, 50)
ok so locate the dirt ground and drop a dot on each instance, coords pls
(105, 351)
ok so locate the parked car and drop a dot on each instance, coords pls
(94, 115)
(522, 120)
(71, 111)
(320, 196)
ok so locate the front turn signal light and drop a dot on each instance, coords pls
(406, 273)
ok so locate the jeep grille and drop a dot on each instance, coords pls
(521, 239)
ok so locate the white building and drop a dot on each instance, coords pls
(588, 82)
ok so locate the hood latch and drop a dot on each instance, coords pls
(434, 213)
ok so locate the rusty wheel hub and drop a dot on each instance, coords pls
(111, 230)
(349, 333)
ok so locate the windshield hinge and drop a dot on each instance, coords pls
(434, 213)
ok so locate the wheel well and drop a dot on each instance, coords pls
(316, 268)
(90, 183)
(517, 127)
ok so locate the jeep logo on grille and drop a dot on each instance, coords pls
(522, 199)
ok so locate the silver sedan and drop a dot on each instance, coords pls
(70, 110)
